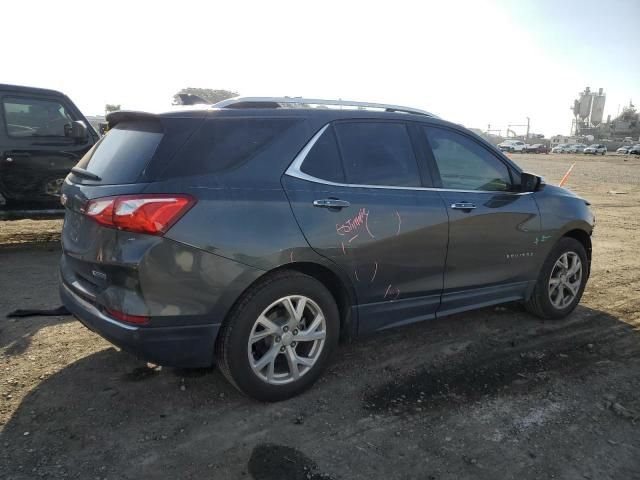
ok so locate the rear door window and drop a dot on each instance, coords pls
(123, 153)
(33, 117)
(377, 153)
(463, 164)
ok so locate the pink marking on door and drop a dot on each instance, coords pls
(374, 273)
(399, 223)
(361, 220)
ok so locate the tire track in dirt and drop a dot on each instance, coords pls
(522, 366)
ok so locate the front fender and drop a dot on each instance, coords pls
(561, 212)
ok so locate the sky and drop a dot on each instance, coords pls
(472, 62)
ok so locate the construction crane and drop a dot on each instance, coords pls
(514, 125)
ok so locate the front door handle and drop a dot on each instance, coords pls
(331, 203)
(463, 206)
(11, 156)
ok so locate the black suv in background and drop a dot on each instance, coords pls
(42, 136)
(257, 232)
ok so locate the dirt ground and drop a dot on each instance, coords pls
(490, 394)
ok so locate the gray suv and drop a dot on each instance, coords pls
(258, 232)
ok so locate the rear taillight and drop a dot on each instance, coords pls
(153, 214)
(125, 317)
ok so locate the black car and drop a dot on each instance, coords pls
(537, 148)
(42, 136)
(258, 232)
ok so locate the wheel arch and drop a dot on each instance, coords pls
(339, 288)
(583, 237)
(585, 240)
(343, 295)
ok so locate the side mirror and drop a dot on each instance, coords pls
(78, 130)
(530, 182)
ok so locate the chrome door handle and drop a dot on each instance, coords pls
(331, 203)
(463, 206)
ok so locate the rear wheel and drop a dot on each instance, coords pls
(279, 337)
(561, 281)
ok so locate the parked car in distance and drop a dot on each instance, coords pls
(537, 148)
(42, 136)
(595, 149)
(576, 148)
(635, 150)
(512, 146)
(257, 232)
(561, 148)
(624, 149)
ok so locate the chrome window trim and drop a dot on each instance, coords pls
(295, 171)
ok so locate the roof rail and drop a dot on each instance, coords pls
(275, 102)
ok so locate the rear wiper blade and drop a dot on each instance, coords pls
(81, 172)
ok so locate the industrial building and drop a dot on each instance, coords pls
(588, 111)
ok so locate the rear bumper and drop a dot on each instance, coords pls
(180, 346)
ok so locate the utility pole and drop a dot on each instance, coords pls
(528, 120)
(490, 130)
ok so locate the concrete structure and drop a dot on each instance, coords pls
(588, 111)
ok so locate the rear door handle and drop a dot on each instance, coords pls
(463, 206)
(331, 203)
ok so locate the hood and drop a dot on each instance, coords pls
(564, 192)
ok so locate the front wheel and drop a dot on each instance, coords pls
(561, 281)
(279, 337)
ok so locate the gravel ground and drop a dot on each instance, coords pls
(13, 232)
(489, 394)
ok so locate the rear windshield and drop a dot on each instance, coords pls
(124, 152)
(226, 143)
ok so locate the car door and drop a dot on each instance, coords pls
(493, 228)
(37, 152)
(357, 193)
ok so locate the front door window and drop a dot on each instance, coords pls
(32, 117)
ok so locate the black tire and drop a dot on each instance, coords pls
(231, 345)
(539, 303)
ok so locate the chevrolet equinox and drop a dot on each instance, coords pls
(257, 232)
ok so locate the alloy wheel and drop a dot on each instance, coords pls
(287, 339)
(565, 280)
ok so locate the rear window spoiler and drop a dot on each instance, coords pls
(115, 118)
